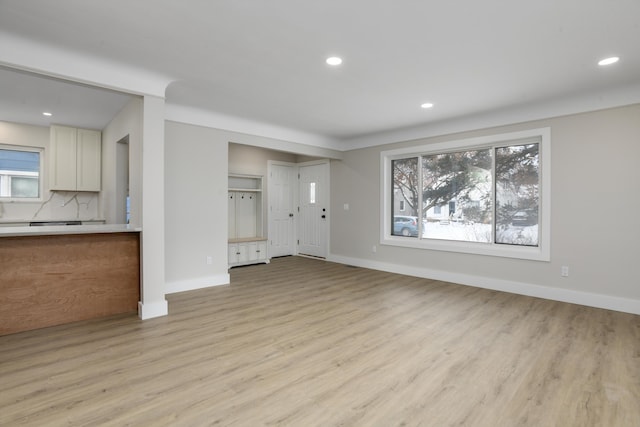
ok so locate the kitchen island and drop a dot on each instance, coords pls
(51, 275)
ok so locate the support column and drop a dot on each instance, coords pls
(153, 302)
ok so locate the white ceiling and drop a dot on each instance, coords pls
(263, 61)
(26, 96)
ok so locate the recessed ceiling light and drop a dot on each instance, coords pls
(334, 60)
(609, 61)
(427, 105)
(48, 114)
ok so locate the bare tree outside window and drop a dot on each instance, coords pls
(405, 197)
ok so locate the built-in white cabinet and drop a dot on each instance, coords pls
(247, 252)
(247, 245)
(75, 159)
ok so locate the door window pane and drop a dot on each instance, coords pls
(312, 193)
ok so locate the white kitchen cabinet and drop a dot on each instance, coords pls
(246, 242)
(75, 159)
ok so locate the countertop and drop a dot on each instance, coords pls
(67, 229)
(27, 221)
(247, 239)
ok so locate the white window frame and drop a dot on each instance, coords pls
(38, 150)
(542, 252)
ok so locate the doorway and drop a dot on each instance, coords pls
(123, 205)
(298, 208)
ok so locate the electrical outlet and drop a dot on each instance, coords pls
(209, 260)
(374, 249)
(564, 271)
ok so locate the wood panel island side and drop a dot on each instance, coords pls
(55, 275)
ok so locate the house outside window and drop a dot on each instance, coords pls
(20, 173)
(483, 195)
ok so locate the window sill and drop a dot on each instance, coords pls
(487, 249)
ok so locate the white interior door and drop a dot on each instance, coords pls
(313, 202)
(281, 209)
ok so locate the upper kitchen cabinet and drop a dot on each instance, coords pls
(74, 159)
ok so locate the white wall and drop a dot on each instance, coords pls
(249, 160)
(127, 122)
(197, 164)
(54, 205)
(195, 206)
(593, 228)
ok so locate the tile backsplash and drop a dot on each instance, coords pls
(60, 205)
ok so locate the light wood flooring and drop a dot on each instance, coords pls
(303, 342)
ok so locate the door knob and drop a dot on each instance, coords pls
(290, 215)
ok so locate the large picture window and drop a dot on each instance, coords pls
(485, 195)
(19, 173)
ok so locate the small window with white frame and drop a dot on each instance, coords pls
(487, 195)
(20, 173)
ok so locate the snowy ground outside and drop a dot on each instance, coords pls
(510, 234)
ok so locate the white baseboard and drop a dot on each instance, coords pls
(608, 302)
(151, 310)
(198, 283)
